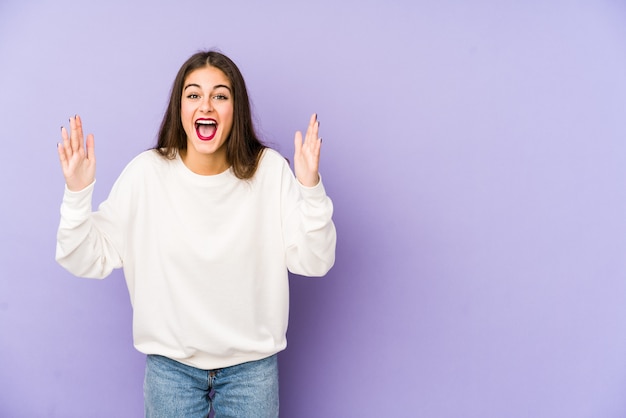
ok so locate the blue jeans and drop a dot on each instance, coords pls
(173, 390)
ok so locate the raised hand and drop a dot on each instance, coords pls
(306, 159)
(78, 160)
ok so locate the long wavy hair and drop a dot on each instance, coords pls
(243, 147)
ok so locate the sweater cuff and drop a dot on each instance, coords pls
(77, 205)
(313, 192)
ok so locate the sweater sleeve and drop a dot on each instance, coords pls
(91, 243)
(309, 232)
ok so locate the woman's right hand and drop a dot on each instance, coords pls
(78, 160)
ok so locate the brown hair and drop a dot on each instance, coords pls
(243, 147)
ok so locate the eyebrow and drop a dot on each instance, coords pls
(214, 87)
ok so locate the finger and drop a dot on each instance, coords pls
(91, 148)
(297, 141)
(62, 156)
(316, 135)
(79, 127)
(76, 134)
(315, 150)
(73, 135)
(318, 147)
(316, 126)
(312, 129)
(311, 132)
(66, 142)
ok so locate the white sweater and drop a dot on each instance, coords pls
(205, 257)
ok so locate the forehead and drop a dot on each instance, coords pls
(207, 77)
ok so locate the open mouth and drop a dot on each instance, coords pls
(206, 129)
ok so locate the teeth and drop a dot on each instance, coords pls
(205, 122)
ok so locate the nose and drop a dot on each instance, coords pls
(206, 105)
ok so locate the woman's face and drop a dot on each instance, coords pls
(207, 117)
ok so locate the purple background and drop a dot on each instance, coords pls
(476, 156)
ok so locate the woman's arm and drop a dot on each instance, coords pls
(309, 232)
(86, 242)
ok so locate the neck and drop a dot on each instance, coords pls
(205, 165)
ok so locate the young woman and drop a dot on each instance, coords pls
(206, 227)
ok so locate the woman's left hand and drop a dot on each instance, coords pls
(306, 159)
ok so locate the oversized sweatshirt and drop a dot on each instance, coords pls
(206, 258)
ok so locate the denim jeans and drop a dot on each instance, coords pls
(175, 390)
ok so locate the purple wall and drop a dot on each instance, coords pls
(476, 155)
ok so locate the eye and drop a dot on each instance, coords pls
(220, 96)
(192, 96)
